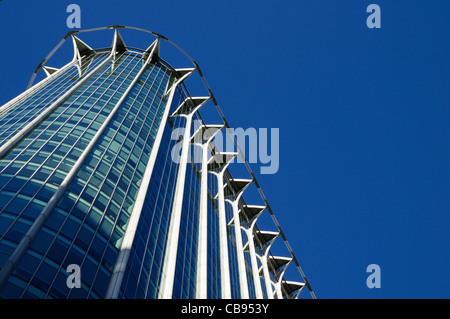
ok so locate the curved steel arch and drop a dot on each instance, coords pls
(111, 27)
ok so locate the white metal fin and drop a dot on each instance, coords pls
(291, 286)
(80, 48)
(205, 133)
(251, 211)
(189, 105)
(262, 238)
(180, 76)
(277, 262)
(235, 186)
(152, 50)
(118, 45)
(85, 65)
(184, 73)
(220, 160)
(49, 70)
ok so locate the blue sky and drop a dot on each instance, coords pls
(363, 117)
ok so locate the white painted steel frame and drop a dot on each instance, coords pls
(254, 264)
(170, 255)
(251, 246)
(202, 256)
(223, 236)
(277, 285)
(265, 268)
(239, 245)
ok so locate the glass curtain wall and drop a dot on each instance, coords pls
(87, 226)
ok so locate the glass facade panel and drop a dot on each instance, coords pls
(45, 155)
(143, 272)
(30, 106)
(186, 269)
(213, 273)
(232, 254)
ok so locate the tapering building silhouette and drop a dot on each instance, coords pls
(94, 204)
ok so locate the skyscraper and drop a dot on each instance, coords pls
(101, 195)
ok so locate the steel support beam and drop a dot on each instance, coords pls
(204, 135)
(187, 110)
(217, 165)
(251, 246)
(243, 283)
